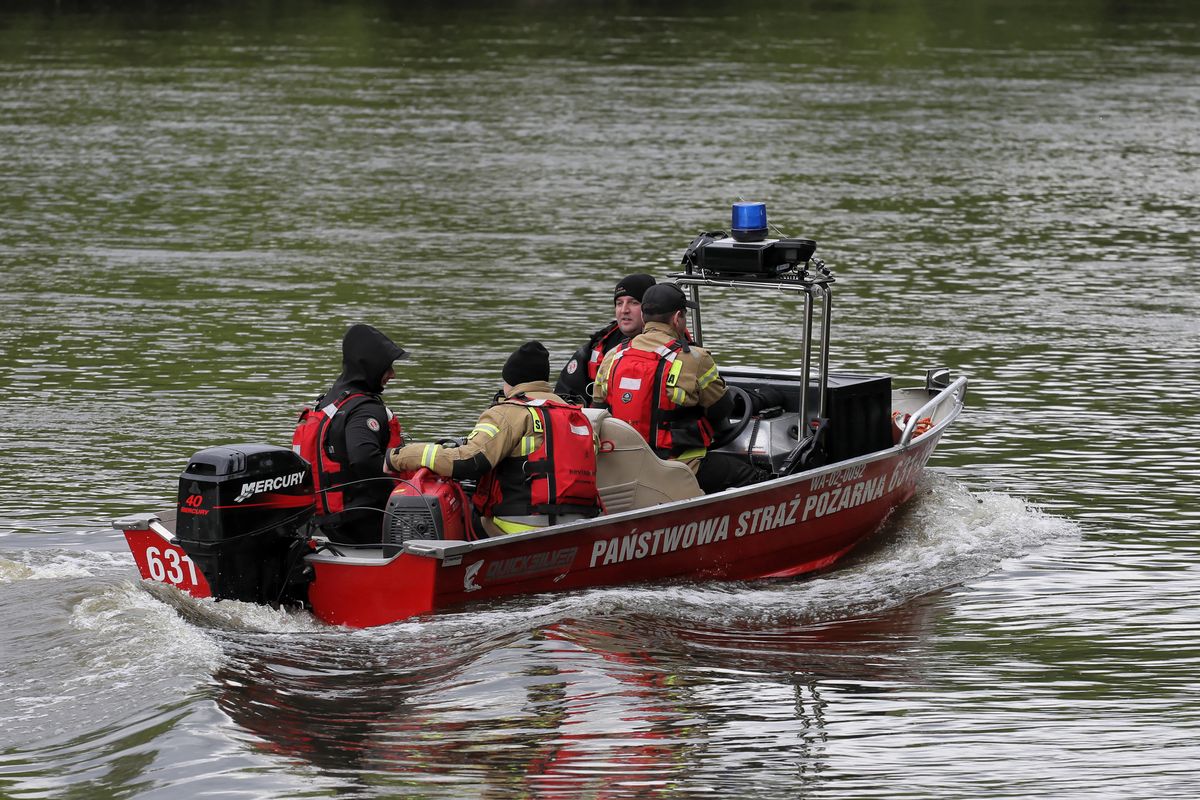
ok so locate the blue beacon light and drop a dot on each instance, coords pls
(749, 222)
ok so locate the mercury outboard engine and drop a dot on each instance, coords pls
(240, 511)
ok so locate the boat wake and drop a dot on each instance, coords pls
(124, 651)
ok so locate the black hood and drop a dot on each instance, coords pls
(366, 355)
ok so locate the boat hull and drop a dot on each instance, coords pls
(779, 528)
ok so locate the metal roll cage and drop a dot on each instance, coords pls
(812, 279)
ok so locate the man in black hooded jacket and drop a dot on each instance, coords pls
(358, 437)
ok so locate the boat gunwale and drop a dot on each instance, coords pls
(145, 521)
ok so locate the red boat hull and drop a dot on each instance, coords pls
(780, 528)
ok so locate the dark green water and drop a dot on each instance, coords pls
(196, 199)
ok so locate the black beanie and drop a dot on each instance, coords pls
(633, 286)
(529, 362)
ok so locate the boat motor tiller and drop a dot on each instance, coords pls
(241, 508)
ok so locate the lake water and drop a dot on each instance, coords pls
(195, 201)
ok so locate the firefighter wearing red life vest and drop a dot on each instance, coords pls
(671, 392)
(345, 436)
(533, 454)
(576, 377)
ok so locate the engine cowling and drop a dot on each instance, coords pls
(241, 508)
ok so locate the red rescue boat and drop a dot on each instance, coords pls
(843, 451)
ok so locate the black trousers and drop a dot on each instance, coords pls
(720, 471)
(356, 526)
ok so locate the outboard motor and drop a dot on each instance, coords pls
(241, 508)
(425, 505)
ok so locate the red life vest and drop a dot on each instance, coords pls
(311, 441)
(639, 392)
(557, 477)
(602, 341)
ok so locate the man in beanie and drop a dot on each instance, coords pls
(580, 371)
(346, 434)
(670, 391)
(524, 482)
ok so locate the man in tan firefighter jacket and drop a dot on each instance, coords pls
(671, 392)
(533, 454)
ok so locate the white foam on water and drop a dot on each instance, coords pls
(130, 632)
(945, 537)
(234, 615)
(36, 565)
(13, 571)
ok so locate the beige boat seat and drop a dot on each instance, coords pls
(628, 473)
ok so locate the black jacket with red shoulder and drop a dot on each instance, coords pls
(575, 380)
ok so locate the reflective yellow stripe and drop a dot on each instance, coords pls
(429, 455)
(676, 394)
(484, 427)
(530, 443)
(708, 377)
(691, 455)
(604, 372)
(512, 527)
(673, 373)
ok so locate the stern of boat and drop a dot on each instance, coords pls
(151, 540)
